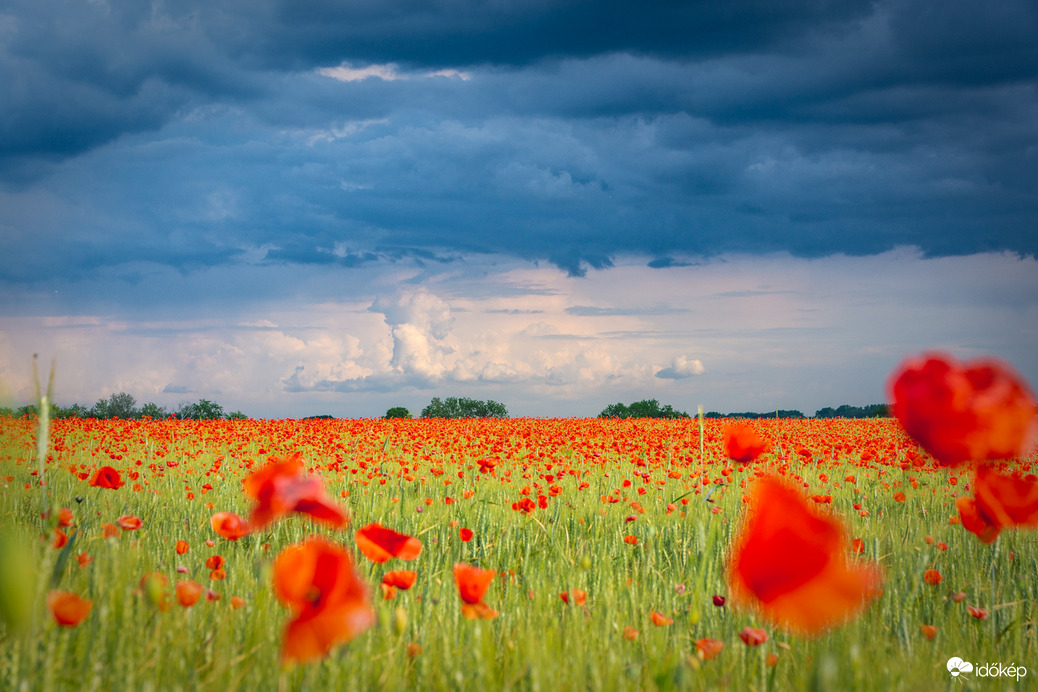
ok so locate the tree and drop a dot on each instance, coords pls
(203, 410)
(73, 411)
(153, 411)
(122, 405)
(617, 410)
(455, 407)
(100, 409)
(647, 408)
(398, 412)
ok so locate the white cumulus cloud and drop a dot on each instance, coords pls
(680, 368)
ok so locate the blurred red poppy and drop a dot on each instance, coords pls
(709, 648)
(107, 477)
(979, 613)
(68, 609)
(753, 636)
(973, 411)
(932, 577)
(401, 579)
(128, 522)
(791, 562)
(188, 593)
(229, 525)
(998, 502)
(466, 535)
(929, 631)
(380, 544)
(472, 583)
(742, 443)
(579, 596)
(282, 487)
(660, 620)
(182, 547)
(330, 604)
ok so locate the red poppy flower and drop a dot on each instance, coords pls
(791, 561)
(975, 411)
(330, 604)
(128, 522)
(60, 539)
(68, 609)
(466, 535)
(282, 487)
(979, 613)
(998, 502)
(524, 505)
(215, 562)
(110, 530)
(660, 620)
(229, 525)
(380, 544)
(932, 577)
(182, 547)
(65, 517)
(401, 579)
(188, 593)
(742, 443)
(472, 583)
(709, 648)
(929, 631)
(84, 559)
(753, 636)
(579, 596)
(107, 477)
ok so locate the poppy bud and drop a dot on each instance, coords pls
(399, 620)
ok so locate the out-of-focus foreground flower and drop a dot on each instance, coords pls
(975, 411)
(791, 562)
(330, 604)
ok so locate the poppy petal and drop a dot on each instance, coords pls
(380, 544)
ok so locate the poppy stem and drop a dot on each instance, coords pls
(43, 403)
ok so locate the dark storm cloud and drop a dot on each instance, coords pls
(201, 134)
(520, 31)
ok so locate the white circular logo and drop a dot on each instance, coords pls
(956, 666)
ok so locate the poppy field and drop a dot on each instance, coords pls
(528, 553)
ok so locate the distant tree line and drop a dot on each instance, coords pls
(647, 408)
(462, 407)
(781, 413)
(845, 411)
(124, 406)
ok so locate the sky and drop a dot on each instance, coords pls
(309, 207)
